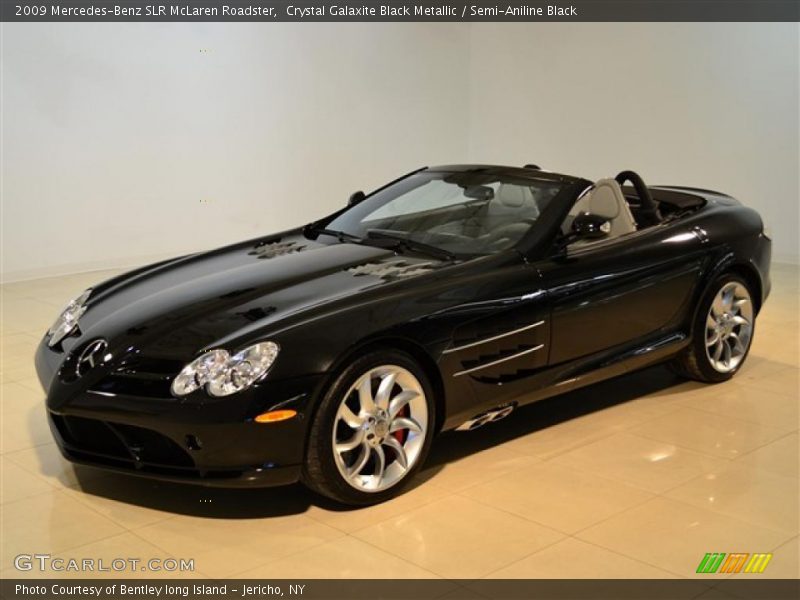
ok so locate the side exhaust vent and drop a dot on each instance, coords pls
(490, 416)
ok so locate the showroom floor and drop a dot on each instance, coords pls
(638, 477)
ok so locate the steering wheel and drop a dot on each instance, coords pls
(507, 232)
(446, 237)
(649, 212)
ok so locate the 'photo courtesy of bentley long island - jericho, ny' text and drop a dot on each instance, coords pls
(334, 353)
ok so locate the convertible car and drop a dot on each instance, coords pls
(333, 353)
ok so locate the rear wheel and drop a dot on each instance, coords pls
(372, 430)
(722, 332)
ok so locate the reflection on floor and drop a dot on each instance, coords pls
(638, 477)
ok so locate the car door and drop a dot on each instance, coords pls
(499, 343)
(617, 293)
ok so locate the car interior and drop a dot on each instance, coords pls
(605, 199)
(509, 210)
(629, 208)
(480, 214)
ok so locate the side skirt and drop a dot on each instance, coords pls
(560, 379)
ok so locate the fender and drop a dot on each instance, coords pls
(727, 262)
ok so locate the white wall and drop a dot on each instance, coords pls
(128, 142)
(708, 105)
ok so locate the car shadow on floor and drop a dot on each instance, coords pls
(219, 503)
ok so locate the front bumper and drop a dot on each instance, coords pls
(762, 261)
(146, 452)
(213, 442)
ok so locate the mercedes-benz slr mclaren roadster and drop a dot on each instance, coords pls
(332, 354)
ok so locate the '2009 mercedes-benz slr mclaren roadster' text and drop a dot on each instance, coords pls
(333, 353)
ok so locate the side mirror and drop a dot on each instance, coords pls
(355, 198)
(587, 226)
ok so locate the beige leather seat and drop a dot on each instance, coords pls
(605, 199)
(508, 213)
(510, 204)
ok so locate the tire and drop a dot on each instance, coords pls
(354, 432)
(721, 337)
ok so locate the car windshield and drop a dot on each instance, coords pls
(461, 213)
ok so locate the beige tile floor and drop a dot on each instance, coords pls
(639, 477)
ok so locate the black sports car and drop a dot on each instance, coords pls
(333, 353)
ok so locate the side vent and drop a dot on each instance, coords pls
(490, 416)
(275, 249)
(391, 270)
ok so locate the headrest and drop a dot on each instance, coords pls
(605, 199)
(511, 196)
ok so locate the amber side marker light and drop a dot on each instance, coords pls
(275, 415)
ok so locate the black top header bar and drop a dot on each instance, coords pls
(394, 10)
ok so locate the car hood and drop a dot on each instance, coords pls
(176, 308)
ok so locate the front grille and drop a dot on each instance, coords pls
(123, 445)
(133, 385)
(141, 376)
(90, 435)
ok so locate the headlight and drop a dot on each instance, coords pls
(68, 320)
(223, 374)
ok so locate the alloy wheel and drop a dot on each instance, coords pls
(380, 428)
(729, 327)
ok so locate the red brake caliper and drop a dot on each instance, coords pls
(402, 434)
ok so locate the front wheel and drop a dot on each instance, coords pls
(372, 430)
(722, 332)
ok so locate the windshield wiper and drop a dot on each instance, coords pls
(342, 236)
(410, 244)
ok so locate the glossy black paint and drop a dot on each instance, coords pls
(577, 315)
